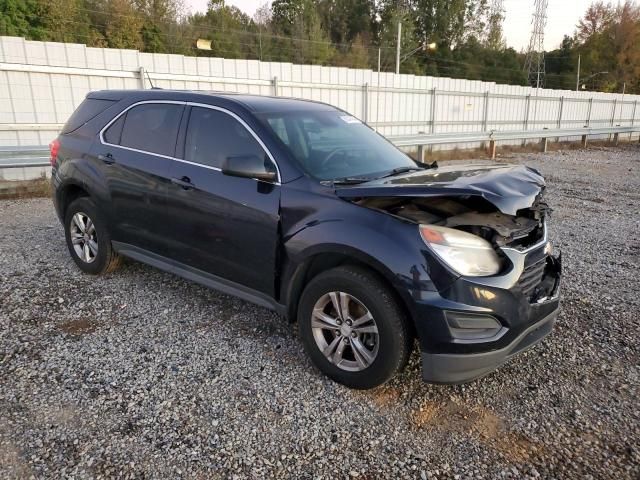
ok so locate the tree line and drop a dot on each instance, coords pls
(467, 35)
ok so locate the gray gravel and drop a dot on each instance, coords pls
(142, 374)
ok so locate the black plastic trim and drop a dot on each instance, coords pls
(456, 368)
(198, 276)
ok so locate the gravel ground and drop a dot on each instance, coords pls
(142, 374)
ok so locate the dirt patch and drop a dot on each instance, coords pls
(479, 423)
(78, 327)
(385, 396)
(12, 189)
(13, 465)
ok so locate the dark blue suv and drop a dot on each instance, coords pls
(299, 207)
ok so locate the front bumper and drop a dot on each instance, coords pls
(471, 327)
(453, 368)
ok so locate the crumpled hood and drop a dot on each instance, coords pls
(508, 187)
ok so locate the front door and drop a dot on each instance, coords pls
(223, 225)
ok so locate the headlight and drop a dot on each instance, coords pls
(465, 253)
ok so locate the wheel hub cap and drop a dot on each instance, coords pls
(345, 331)
(84, 237)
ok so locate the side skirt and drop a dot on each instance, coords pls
(195, 275)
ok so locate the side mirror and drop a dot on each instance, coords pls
(247, 166)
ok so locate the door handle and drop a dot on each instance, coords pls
(107, 158)
(184, 182)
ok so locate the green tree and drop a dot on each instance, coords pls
(17, 17)
(124, 25)
(62, 21)
(300, 36)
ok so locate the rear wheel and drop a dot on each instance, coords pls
(87, 238)
(352, 327)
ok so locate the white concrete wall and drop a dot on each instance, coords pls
(41, 83)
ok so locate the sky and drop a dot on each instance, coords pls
(562, 18)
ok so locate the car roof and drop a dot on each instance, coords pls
(253, 103)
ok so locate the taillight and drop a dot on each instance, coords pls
(53, 150)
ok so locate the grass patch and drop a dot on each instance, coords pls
(12, 189)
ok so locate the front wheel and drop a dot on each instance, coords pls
(352, 327)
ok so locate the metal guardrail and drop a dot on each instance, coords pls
(24, 156)
(493, 136)
(38, 155)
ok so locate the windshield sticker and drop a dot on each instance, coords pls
(349, 119)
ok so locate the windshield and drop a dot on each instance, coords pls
(333, 146)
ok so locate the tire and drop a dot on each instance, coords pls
(318, 316)
(101, 256)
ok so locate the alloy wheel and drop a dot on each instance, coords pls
(84, 237)
(345, 331)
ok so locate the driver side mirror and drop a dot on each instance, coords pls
(247, 166)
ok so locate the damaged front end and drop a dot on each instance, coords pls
(503, 205)
(487, 228)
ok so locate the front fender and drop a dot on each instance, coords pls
(387, 245)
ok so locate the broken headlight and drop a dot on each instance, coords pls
(465, 253)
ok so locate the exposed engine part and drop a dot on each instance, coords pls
(413, 212)
(507, 226)
(470, 214)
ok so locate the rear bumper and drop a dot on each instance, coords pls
(454, 368)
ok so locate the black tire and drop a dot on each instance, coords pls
(106, 259)
(394, 337)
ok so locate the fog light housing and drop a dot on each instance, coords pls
(467, 327)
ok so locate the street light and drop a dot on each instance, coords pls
(584, 86)
(425, 46)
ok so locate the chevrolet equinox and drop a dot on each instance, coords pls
(299, 207)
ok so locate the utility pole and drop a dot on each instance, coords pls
(578, 75)
(398, 47)
(379, 59)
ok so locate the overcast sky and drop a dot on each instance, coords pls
(563, 16)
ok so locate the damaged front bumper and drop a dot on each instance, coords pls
(454, 368)
(471, 328)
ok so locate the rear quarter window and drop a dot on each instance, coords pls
(88, 109)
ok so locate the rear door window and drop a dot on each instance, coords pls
(88, 109)
(151, 127)
(213, 136)
(113, 133)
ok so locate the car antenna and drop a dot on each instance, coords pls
(153, 87)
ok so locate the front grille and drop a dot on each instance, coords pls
(532, 276)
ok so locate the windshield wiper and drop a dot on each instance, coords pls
(347, 181)
(399, 170)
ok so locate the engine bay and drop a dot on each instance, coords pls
(472, 214)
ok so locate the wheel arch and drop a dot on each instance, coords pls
(325, 258)
(67, 193)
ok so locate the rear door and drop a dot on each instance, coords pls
(224, 225)
(135, 155)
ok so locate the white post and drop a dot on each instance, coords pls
(398, 47)
(365, 102)
(624, 87)
(379, 61)
(578, 76)
(142, 83)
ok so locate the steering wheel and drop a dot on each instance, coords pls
(332, 153)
